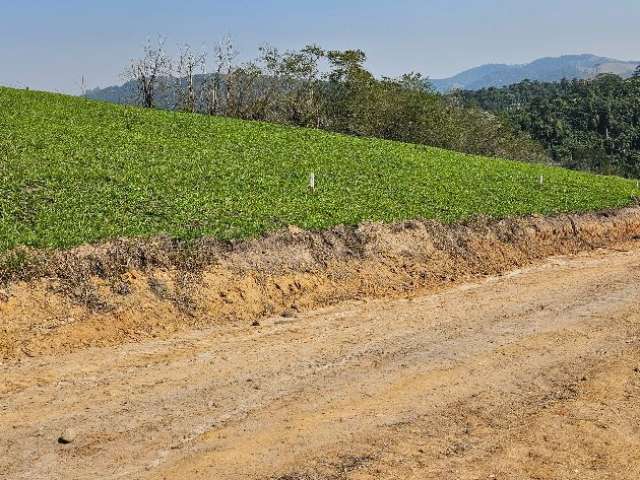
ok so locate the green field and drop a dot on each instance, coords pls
(73, 171)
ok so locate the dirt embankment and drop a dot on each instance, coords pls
(131, 290)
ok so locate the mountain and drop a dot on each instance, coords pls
(549, 69)
(127, 93)
(124, 94)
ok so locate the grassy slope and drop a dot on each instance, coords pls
(74, 171)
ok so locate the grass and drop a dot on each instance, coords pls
(73, 171)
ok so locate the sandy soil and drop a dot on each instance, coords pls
(530, 375)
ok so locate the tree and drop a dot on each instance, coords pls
(188, 63)
(348, 66)
(349, 91)
(215, 88)
(294, 88)
(584, 124)
(291, 82)
(636, 73)
(149, 71)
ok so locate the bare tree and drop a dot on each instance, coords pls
(216, 87)
(188, 64)
(149, 71)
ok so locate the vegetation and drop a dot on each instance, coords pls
(590, 125)
(315, 88)
(74, 171)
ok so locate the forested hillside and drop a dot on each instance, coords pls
(591, 125)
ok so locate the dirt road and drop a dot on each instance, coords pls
(532, 375)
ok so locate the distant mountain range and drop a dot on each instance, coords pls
(550, 69)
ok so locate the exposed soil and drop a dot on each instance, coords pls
(135, 290)
(530, 375)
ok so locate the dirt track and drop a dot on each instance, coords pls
(532, 375)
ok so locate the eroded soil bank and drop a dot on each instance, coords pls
(134, 290)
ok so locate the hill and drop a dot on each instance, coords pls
(123, 94)
(75, 171)
(550, 69)
(127, 93)
(331, 90)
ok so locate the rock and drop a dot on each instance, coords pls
(255, 323)
(288, 313)
(68, 436)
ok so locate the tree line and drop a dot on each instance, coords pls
(583, 124)
(318, 88)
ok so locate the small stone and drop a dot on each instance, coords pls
(255, 323)
(288, 313)
(67, 437)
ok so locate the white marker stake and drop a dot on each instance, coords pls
(312, 182)
(541, 180)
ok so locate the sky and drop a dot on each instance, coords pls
(52, 44)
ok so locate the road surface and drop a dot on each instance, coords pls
(530, 375)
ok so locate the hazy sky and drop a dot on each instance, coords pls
(51, 44)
